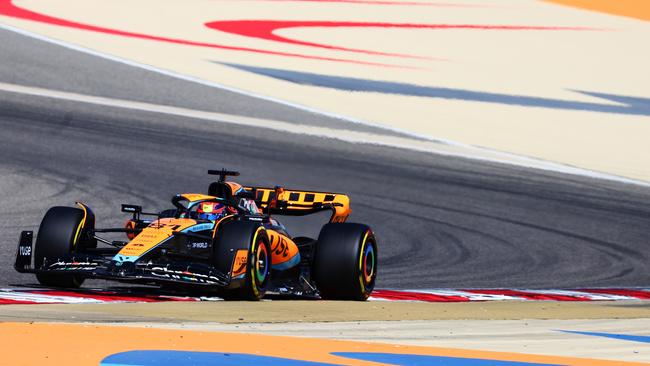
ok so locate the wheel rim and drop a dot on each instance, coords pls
(261, 263)
(368, 269)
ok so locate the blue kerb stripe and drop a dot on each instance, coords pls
(623, 337)
(175, 358)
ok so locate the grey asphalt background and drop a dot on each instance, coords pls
(31, 62)
(441, 222)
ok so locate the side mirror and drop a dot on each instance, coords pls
(134, 209)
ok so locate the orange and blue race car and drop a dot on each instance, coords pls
(227, 241)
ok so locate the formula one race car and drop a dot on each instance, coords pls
(226, 241)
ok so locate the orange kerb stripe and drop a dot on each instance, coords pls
(639, 9)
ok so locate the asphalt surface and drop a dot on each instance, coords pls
(31, 62)
(441, 222)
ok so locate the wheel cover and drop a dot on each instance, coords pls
(261, 262)
(368, 264)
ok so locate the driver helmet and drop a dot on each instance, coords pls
(211, 211)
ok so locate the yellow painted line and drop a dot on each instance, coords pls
(639, 9)
(74, 344)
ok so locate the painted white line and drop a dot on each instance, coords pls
(461, 150)
(41, 298)
(219, 86)
(473, 152)
(351, 136)
(322, 132)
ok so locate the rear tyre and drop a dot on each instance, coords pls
(57, 237)
(345, 262)
(258, 266)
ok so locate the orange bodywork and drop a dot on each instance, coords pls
(153, 234)
(234, 187)
(284, 250)
(239, 264)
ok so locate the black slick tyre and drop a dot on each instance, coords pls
(57, 236)
(258, 265)
(345, 262)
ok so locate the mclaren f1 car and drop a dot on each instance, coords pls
(226, 241)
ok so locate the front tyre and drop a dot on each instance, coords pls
(345, 262)
(257, 275)
(57, 238)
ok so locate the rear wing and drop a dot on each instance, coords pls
(299, 203)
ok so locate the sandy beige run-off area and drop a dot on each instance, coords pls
(527, 92)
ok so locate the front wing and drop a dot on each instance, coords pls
(95, 265)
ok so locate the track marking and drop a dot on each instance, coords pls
(436, 146)
(451, 295)
(210, 83)
(85, 296)
(355, 137)
(268, 29)
(8, 8)
(96, 344)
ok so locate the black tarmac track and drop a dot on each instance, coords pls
(441, 222)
